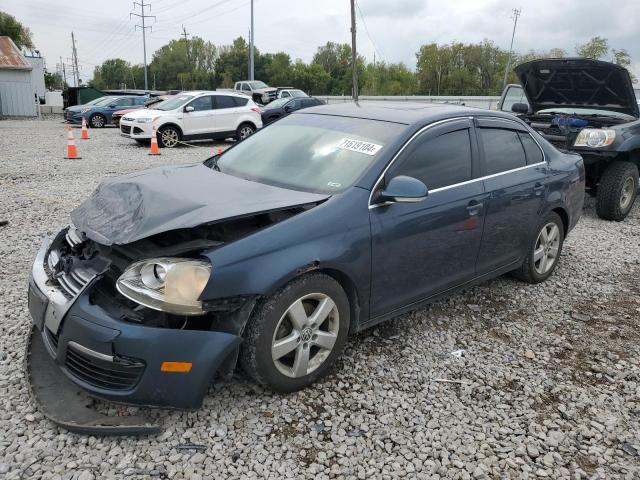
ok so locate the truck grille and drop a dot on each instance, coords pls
(102, 373)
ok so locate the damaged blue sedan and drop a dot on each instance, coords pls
(271, 254)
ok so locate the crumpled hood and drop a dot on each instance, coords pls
(135, 206)
(577, 83)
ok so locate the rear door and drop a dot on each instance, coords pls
(421, 249)
(516, 176)
(201, 120)
(226, 113)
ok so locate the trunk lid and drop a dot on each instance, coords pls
(577, 83)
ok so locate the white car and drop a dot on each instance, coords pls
(291, 93)
(194, 115)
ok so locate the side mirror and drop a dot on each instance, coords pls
(189, 108)
(520, 108)
(403, 189)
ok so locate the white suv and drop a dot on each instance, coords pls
(194, 115)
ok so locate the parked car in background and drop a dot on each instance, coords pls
(330, 221)
(588, 107)
(259, 91)
(194, 115)
(98, 114)
(116, 116)
(291, 93)
(284, 106)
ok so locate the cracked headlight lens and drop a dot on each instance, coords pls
(171, 285)
(595, 138)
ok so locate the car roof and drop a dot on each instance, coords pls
(399, 112)
(197, 93)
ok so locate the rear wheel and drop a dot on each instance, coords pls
(617, 191)
(97, 120)
(244, 131)
(168, 136)
(296, 335)
(544, 251)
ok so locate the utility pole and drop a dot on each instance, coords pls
(186, 42)
(64, 74)
(516, 14)
(251, 64)
(143, 17)
(354, 54)
(74, 53)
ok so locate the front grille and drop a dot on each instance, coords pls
(103, 373)
(125, 128)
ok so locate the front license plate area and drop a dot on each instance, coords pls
(37, 305)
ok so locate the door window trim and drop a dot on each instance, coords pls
(485, 177)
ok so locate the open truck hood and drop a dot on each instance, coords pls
(135, 206)
(577, 83)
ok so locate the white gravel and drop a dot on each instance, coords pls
(548, 383)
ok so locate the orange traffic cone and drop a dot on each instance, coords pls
(85, 132)
(154, 142)
(72, 151)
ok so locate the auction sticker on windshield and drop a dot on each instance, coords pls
(359, 146)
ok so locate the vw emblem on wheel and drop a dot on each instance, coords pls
(306, 334)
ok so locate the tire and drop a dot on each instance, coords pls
(169, 136)
(617, 191)
(97, 120)
(533, 270)
(274, 320)
(244, 131)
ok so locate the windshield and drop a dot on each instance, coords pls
(585, 111)
(100, 101)
(276, 103)
(255, 85)
(312, 153)
(173, 103)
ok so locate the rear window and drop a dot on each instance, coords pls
(240, 102)
(224, 101)
(502, 150)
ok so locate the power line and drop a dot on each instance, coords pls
(366, 29)
(516, 14)
(143, 27)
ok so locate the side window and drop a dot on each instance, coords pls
(246, 87)
(202, 103)
(122, 102)
(295, 104)
(438, 162)
(514, 95)
(285, 94)
(502, 150)
(309, 102)
(140, 100)
(531, 148)
(224, 101)
(240, 102)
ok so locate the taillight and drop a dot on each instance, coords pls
(256, 109)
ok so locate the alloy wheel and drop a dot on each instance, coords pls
(305, 335)
(245, 132)
(169, 137)
(545, 253)
(626, 196)
(97, 121)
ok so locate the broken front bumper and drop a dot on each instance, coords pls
(114, 359)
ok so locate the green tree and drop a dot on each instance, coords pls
(335, 59)
(53, 81)
(232, 64)
(113, 73)
(595, 48)
(12, 28)
(311, 78)
(184, 65)
(388, 79)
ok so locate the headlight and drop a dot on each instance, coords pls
(146, 119)
(171, 285)
(595, 137)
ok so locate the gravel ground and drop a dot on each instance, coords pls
(546, 383)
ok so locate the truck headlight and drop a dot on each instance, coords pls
(595, 138)
(171, 285)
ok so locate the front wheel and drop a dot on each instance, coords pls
(244, 131)
(97, 120)
(544, 251)
(296, 335)
(168, 136)
(617, 191)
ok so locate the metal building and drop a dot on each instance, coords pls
(17, 89)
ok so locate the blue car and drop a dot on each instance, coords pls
(270, 255)
(98, 112)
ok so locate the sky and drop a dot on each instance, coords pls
(392, 29)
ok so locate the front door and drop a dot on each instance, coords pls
(516, 180)
(421, 249)
(201, 120)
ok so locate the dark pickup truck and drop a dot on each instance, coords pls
(587, 107)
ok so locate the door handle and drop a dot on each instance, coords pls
(474, 208)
